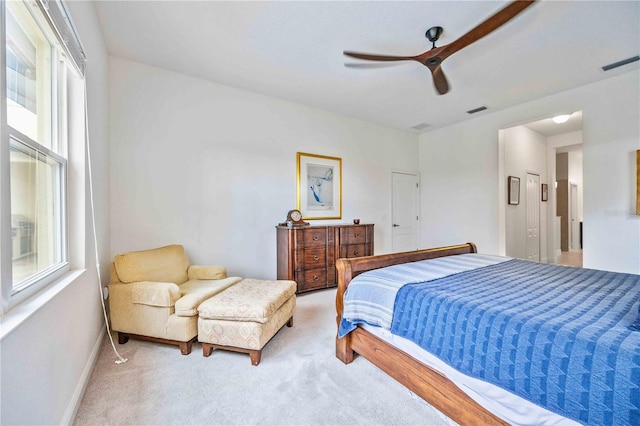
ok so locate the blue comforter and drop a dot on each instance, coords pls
(558, 336)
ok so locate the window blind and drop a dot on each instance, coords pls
(59, 19)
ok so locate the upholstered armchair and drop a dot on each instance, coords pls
(155, 294)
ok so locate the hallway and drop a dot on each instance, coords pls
(571, 258)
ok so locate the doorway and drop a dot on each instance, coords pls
(531, 149)
(568, 198)
(404, 212)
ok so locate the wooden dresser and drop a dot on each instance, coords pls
(308, 254)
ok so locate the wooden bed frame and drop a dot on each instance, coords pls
(426, 382)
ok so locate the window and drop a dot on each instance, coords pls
(28, 56)
(37, 214)
(34, 87)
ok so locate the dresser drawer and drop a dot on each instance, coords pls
(311, 258)
(311, 237)
(353, 235)
(311, 279)
(353, 250)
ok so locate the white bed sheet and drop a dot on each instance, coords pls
(502, 403)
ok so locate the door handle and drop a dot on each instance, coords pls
(395, 225)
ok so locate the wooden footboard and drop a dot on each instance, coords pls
(428, 383)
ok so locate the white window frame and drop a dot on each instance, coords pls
(71, 49)
(45, 277)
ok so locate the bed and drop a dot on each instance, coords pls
(414, 343)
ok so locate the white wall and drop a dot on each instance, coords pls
(214, 168)
(525, 151)
(463, 180)
(47, 359)
(459, 174)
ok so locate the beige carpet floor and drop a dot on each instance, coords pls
(298, 382)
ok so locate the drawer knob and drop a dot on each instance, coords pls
(315, 277)
(315, 238)
(315, 257)
(356, 235)
(355, 253)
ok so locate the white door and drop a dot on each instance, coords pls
(404, 212)
(574, 236)
(533, 217)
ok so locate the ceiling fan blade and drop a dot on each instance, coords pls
(439, 80)
(489, 25)
(372, 57)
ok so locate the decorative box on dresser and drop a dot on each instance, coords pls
(308, 254)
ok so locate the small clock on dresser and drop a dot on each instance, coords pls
(294, 218)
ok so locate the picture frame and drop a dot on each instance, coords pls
(545, 192)
(638, 182)
(514, 190)
(319, 186)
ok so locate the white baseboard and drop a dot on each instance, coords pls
(81, 386)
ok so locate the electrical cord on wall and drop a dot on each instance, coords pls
(120, 359)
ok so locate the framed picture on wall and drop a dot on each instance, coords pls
(319, 186)
(638, 182)
(514, 190)
(545, 192)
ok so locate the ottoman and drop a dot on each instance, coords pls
(245, 316)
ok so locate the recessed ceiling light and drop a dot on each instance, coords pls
(559, 119)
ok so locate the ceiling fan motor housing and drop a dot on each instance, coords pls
(432, 62)
(433, 34)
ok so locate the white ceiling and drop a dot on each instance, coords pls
(293, 50)
(547, 127)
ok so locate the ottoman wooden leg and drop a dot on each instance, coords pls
(290, 322)
(255, 356)
(206, 349)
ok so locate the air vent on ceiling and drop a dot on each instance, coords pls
(421, 126)
(473, 111)
(620, 63)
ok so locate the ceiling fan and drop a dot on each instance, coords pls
(433, 58)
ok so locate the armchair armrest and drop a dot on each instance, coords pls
(154, 293)
(199, 272)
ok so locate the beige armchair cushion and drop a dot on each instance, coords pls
(197, 291)
(199, 272)
(154, 293)
(164, 264)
